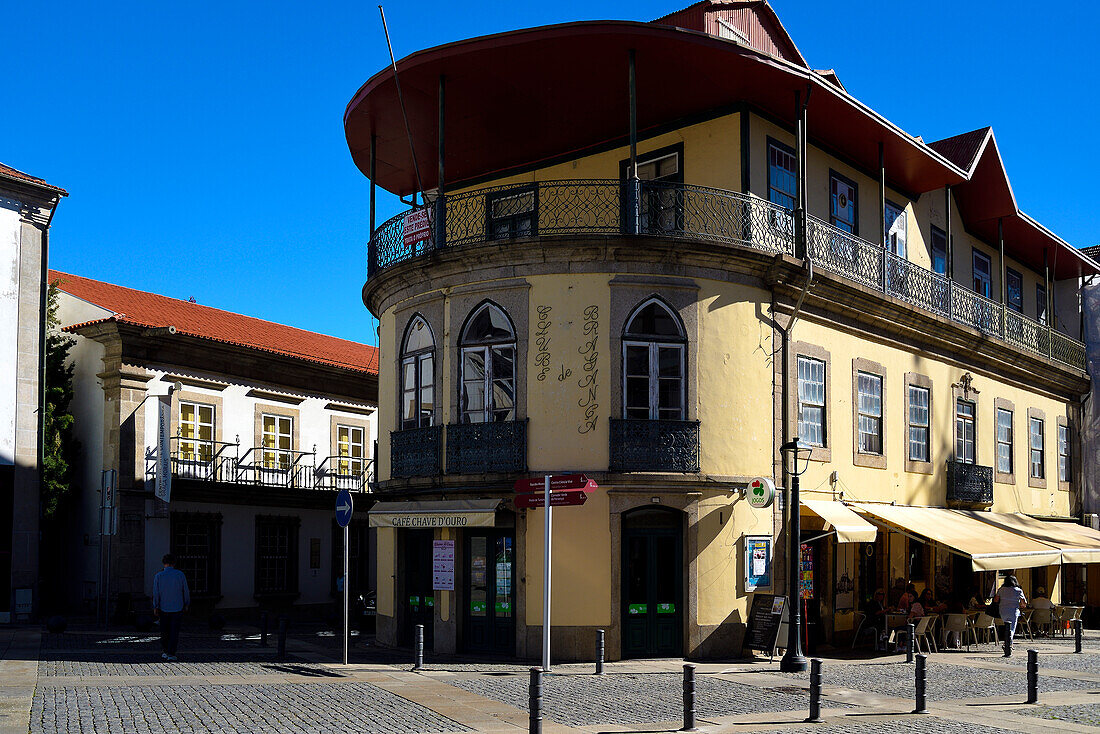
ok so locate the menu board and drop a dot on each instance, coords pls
(767, 614)
(443, 565)
(758, 562)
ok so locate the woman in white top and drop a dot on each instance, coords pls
(1011, 598)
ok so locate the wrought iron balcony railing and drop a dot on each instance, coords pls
(354, 474)
(969, 485)
(486, 448)
(680, 211)
(416, 452)
(657, 446)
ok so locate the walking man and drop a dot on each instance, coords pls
(171, 598)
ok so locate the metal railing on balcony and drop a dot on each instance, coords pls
(487, 448)
(680, 211)
(969, 485)
(655, 446)
(344, 472)
(416, 452)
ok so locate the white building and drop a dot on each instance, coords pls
(266, 423)
(27, 206)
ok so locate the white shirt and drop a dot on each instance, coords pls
(1041, 602)
(1011, 599)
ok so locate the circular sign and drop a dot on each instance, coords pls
(761, 492)
(344, 508)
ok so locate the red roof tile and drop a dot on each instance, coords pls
(9, 172)
(149, 309)
(961, 149)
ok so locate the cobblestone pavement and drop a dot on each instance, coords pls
(922, 725)
(147, 665)
(1082, 713)
(1083, 663)
(288, 709)
(633, 699)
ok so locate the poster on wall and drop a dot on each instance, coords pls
(806, 573)
(443, 565)
(845, 570)
(758, 562)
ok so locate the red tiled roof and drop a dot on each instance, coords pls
(149, 309)
(961, 149)
(9, 172)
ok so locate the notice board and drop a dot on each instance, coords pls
(767, 615)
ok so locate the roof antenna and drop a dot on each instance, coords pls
(405, 116)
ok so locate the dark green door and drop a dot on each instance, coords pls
(652, 577)
(419, 599)
(490, 595)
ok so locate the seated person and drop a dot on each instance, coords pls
(1041, 601)
(916, 610)
(896, 592)
(929, 604)
(875, 609)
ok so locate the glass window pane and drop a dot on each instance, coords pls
(473, 364)
(637, 393)
(654, 320)
(668, 394)
(487, 325)
(637, 361)
(427, 371)
(668, 359)
(503, 363)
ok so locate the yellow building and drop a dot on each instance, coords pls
(655, 253)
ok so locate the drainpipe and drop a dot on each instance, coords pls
(43, 298)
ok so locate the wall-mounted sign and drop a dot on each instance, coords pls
(758, 562)
(443, 565)
(416, 227)
(761, 492)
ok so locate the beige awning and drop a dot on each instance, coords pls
(1079, 544)
(435, 514)
(988, 547)
(849, 527)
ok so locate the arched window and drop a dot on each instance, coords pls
(653, 363)
(417, 375)
(488, 369)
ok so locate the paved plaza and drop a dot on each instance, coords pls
(93, 682)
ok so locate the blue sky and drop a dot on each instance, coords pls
(203, 148)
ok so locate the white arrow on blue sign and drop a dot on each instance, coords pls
(344, 508)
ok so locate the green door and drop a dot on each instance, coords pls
(490, 595)
(419, 599)
(652, 578)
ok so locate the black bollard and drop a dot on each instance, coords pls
(1032, 676)
(922, 674)
(535, 701)
(815, 691)
(1078, 633)
(689, 697)
(910, 642)
(282, 638)
(418, 663)
(599, 652)
(263, 630)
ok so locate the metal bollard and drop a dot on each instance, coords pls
(921, 681)
(1078, 634)
(910, 642)
(282, 638)
(418, 663)
(599, 652)
(815, 691)
(535, 701)
(263, 630)
(689, 698)
(1032, 676)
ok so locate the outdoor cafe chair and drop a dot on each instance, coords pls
(862, 628)
(987, 626)
(923, 631)
(1043, 619)
(960, 624)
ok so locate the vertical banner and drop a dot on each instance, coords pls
(443, 565)
(163, 487)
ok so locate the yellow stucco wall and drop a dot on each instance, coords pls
(724, 521)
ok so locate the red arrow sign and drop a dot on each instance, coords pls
(564, 498)
(557, 483)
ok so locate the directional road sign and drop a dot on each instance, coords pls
(557, 482)
(344, 508)
(561, 498)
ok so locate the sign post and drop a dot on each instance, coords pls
(345, 506)
(546, 577)
(108, 527)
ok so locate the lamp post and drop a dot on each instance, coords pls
(793, 660)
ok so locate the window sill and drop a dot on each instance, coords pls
(821, 453)
(1002, 478)
(870, 461)
(1036, 483)
(919, 467)
(1065, 486)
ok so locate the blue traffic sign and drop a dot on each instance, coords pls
(344, 508)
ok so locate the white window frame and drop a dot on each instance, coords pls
(1010, 274)
(983, 285)
(1064, 453)
(421, 361)
(349, 463)
(1036, 453)
(1006, 439)
(195, 447)
(868, 416)
(823, 405)
(654, 347)
(488, 410)
(962, 440)
(897, 228)
(916, 424)
(275, 458)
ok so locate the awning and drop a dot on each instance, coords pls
(1079, 544)
(988, 547)
(435, 514)
(849, 527)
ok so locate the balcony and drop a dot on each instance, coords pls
(486, 448)
(969, 486)
(416, 452)
(654, 446)
(724, 218)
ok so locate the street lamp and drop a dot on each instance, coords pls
(793, 660)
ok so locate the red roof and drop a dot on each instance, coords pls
(12, 173)
(140, 308)
(961, 149)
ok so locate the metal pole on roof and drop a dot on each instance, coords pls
(947, 214)
(882, 212)
(1004, 285)
(373, 160)
(440, 205)
(633, 116)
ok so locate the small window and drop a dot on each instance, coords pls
(919, 424)
(418, 376)
(1041, 303)
(964, 432)
(1038, 467)
(196, 544)
(276, 555)
(350, 448)
(653, 364)
(196, 432)
(661, 206)
(488, 367)
(939, 251)
(511, 214)
(870, 413)
(1063, 454)
(1014, 290)
(842, 203)
(982, 275)
(277, 442)
(782, 182)
(811, 401)
(896, 228)
(1004, 441)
